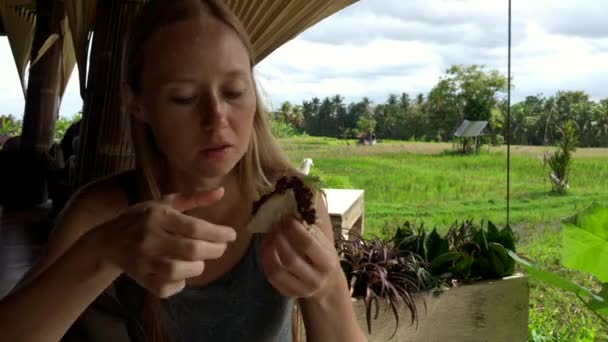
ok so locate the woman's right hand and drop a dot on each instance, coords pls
(159, 246)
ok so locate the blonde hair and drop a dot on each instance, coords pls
(256, 171)
(263, 158)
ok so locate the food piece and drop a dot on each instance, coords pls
(293, 195)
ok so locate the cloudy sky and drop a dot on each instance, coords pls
(377, 47)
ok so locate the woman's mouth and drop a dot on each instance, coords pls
(216, 152)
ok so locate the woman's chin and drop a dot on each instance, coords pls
(210, 169)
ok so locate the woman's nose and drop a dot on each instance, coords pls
(214, 112)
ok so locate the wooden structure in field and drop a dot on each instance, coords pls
(468, 133)
(54, 36)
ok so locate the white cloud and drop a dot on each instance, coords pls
(548, 53)
(377, 47)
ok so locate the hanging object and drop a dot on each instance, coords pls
(68, 56)
(81, 18)
(19, 23)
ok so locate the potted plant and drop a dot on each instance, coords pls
(460, 286)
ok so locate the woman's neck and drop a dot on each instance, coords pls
(221, 211)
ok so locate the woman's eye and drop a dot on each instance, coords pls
(233, 94)
(184, 100)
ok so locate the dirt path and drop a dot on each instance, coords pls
(424, 148)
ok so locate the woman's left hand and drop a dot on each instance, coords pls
(298, 261)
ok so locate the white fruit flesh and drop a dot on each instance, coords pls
(272, 211)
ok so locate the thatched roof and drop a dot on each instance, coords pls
(270, 24)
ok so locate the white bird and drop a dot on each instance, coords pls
(305, 165)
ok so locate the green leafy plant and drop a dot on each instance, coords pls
(584, 248)
(62, 124)
(466, 253)
(561, 160)
(281, 129)
(366, 124)
(9, 126)
(414, 260)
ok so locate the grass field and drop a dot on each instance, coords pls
(426, 182)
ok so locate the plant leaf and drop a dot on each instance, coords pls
(507, 238)
(436, 246)
(553, 279)
(502, 264)
(585, 242)
(462, 266)
(481, 240)
(600, 306)
(443, 259)
(368, 309)
(493, 233)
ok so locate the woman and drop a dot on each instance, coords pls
(174, 228)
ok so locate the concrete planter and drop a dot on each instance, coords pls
(485, 311)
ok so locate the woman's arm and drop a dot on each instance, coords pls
(66, 279)
(330, 316)
(152, 242)
(44, 308)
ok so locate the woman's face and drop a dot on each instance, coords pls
(197, 95)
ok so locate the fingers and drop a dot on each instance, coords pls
(295, 264)
(195, 228)
(284, 282)
(167, 247)
(185, 202)
(191, 249)
(170, 270)
(298, 264)
(163, 289)
(310, 244)
(166, 277)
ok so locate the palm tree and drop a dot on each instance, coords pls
(339, 114)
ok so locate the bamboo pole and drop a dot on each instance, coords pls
(43, 89)
(105, 144)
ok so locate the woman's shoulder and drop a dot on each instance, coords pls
(110, 193)
(92, 204)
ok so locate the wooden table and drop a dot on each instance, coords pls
(346, 210)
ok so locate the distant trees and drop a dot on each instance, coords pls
(11, 126)
(463, 92)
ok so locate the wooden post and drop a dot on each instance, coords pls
(25, 178)
(104, 139)
(42, 95)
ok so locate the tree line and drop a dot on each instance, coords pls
(463, 92)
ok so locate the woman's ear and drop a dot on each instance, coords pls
(132, 103)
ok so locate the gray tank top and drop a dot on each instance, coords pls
(240, 306)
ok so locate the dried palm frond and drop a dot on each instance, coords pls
(81, 18)
(19, 24)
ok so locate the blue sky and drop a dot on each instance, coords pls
(377, 47)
